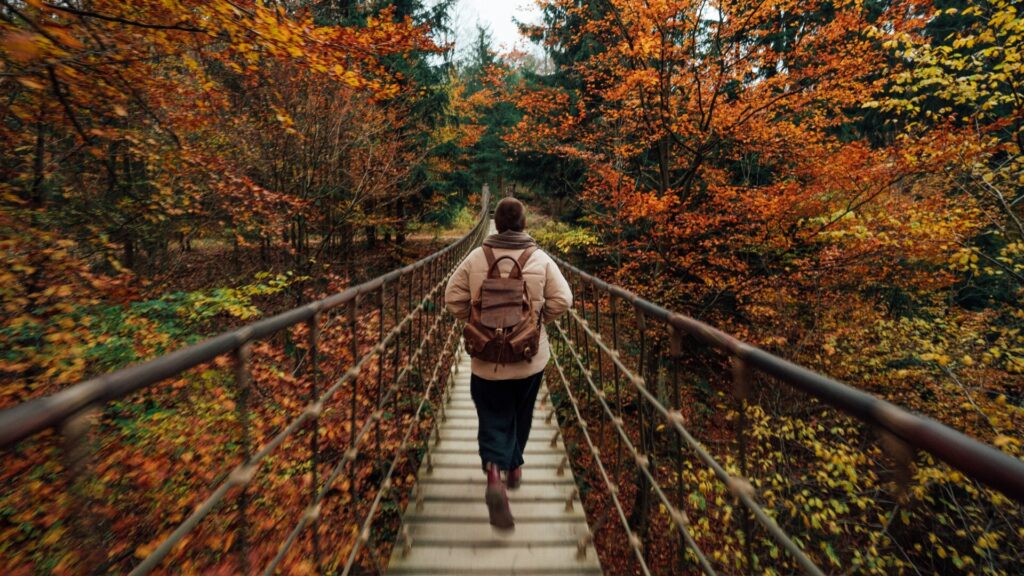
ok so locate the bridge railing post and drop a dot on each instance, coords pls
(313, 334)
(78, 450)
(675, 356)
(741, 389)
(614, 302)
(381, 356)
(243, 391)
(353, 333)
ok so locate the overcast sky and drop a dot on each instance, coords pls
(496, 15)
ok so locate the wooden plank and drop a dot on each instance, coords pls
(464, 410)
(464, 460)
(493, 560)
(466, 403)
(536, 427)
(462, 385)
(473, 476)
(479, 534)
(526, 492)
(471, 412)
(462, 389)
(540, 435)
(476, 511)
(470, 445)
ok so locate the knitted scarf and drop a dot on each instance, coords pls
(510, 239)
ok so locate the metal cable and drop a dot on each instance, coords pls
(613, 490)
(979, 461)
(386, 483)
(739, 487)
(679, 517)
(244, 473)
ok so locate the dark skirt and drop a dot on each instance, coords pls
(505, 411)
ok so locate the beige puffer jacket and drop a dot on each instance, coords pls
(548, 289)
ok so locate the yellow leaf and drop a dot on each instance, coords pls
(30, 83)
(52, 537)
(1003, 441)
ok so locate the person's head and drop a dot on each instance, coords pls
(510, 214)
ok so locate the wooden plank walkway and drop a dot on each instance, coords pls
(447, 519)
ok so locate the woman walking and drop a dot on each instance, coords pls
(506, 291)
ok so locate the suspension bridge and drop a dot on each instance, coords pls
(610, 428)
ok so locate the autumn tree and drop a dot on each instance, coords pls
(741, 164)
(129, 128)
(135, 131)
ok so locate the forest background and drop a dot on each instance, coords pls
(838, 182)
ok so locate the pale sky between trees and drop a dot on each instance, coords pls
(498, 16)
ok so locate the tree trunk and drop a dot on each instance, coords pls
(371, 236)
(663, 165)
(347, 233)
(36, 197)
(235, 256)
(129, 251)
(400, 222)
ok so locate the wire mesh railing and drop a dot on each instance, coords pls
(618, 368)
(391, 348)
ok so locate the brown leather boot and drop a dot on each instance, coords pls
(515, 477)
(497, 500)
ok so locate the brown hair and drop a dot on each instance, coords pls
(510, 215)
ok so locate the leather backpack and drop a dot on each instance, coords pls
(502, 327)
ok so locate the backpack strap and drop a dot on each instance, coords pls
(524, 257)
(489, 254)
(517, 268)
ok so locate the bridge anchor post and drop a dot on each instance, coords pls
(406, 541)
(581, 546)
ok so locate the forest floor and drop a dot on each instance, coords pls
(212, 265)
(217, 264)
(160, 452)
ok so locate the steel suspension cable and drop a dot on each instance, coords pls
(244, 473)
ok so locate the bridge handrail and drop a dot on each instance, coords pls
(613, 374)
(976, 459)
(34, 416)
